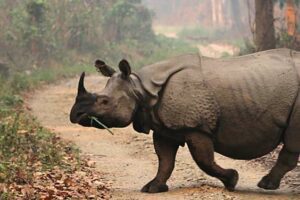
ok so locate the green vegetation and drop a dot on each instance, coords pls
(284, 40)
(25, 147)
(95, 120)
(245, 45)
(39, 33)
(22, 81)
(165, 47)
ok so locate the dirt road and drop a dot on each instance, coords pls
(128, 161)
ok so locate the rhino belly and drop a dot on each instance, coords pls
(256, 95)
(245, 141)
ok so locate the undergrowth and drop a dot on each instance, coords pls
(25, 146)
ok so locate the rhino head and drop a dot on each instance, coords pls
(114, 106)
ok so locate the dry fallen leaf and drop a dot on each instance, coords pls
(68, 182)
(22, 131)
(78, 181)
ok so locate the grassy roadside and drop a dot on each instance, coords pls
(35, 163)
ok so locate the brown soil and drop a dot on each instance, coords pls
(128, 161)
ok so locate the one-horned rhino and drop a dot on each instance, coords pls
(241, 107)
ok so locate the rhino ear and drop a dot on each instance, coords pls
(104, 69)
(125, 68)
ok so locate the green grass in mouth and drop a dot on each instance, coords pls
(100, 123)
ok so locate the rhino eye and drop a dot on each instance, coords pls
(105, 102)
(102, 100)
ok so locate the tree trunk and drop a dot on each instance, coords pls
(214, 12)
(236, 17)
(217, 7)
(264, 22)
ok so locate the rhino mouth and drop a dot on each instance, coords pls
(92, 120)
(86, 120)
(83, 119)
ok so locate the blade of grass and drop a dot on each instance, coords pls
(101, 124)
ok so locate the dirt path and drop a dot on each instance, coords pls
(128, 160)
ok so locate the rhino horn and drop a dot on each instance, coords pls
(81, 88)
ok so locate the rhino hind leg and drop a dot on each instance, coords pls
(202, 151)
(286, 162)
(292, 136)
(166, 151)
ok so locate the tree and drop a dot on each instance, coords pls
(128, 19)
(236, 15)
(36, 10)
(218, 12)
(264, 25)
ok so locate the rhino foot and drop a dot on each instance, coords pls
(268, 184)
(232, 181)
(155, 187)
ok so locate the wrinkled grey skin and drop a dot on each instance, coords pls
(241, 107)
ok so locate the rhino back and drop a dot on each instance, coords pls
(255, 94)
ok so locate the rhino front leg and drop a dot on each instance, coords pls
(166, 151)
(202, 151)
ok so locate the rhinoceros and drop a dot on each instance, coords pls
(241, 107)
